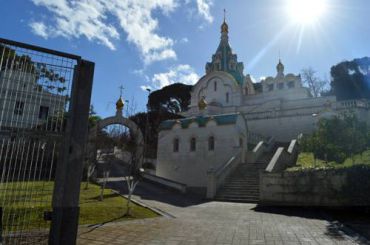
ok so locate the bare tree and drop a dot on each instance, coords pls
(90, 171)
(133, 178)
(313, 82)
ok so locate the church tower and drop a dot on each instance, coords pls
(224, 59)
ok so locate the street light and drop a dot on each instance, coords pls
(127, 101)
(315, 115)
(146, 125)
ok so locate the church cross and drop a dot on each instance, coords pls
(121, 88)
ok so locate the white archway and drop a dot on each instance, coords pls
(121, 120)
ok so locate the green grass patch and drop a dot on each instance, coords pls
(306, 161)
(112, 208)
(26, 202)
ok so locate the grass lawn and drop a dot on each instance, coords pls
(26, 202)
(306, 161)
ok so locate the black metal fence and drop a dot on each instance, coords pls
(36, 104)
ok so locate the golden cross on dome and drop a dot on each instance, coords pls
(121, 88)
(279, 56)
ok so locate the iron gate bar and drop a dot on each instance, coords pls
(28, 153)
(40, 49)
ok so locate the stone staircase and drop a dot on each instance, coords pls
(243, 184)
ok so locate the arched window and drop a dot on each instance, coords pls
(193, 144)
(211, 143)
(215, 85)
(227, 97)
(176, 145)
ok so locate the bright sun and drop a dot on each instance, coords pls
(306, 11)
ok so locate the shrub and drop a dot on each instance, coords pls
(337, 138)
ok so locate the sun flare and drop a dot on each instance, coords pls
(306, 11)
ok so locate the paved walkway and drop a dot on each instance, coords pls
(219, 223)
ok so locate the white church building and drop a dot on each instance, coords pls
(226, 112)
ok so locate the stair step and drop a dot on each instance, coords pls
(243, 184)
(237, 197)
(243, 181)
(228, 188)
(239, 193)
(252, 200)
(240, 189)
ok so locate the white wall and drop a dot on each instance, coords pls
(20, 86)
(225, 84)
(188, 167)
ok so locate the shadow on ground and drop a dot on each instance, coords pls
(304, 212)
(356, 218)
(339, 221)
(148, 191)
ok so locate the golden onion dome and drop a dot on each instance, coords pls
(120, 104)
(280, 67)
(224, 28)
(202, 104)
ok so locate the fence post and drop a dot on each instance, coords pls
(64, 224)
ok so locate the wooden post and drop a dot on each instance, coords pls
(69, 170)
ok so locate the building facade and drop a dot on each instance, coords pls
(281, 108)
(25, 103)
(188, 148)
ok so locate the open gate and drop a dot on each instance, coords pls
(44, 99)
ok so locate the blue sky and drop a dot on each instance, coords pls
(156, 42)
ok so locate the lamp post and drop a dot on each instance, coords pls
(146, 126)
(127, 113)
(315, 116)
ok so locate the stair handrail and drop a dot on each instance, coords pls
(216, 177)
(255, 138)
(284, 158)
(260, 149)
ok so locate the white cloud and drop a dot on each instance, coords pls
(184, 40)
(145, 87)
(73, 19)
(204, 9)
(101, 21)
(177, 74)
(39, 29)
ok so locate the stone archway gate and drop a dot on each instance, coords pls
(121, 120)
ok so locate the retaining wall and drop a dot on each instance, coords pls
(330, 187)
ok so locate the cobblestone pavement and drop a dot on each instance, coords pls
(222, 223)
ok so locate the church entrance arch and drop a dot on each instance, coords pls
(118, 119)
